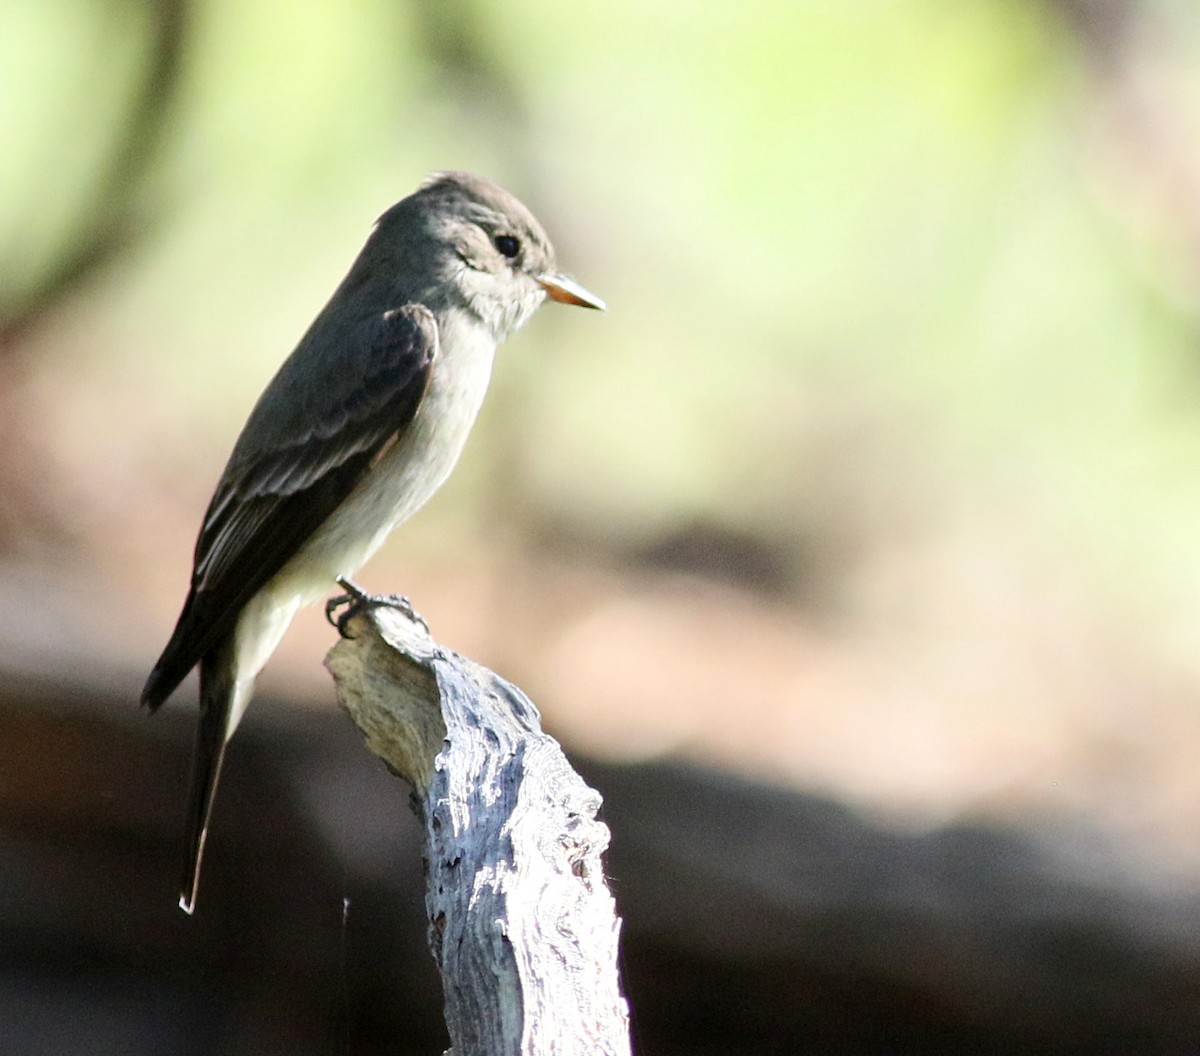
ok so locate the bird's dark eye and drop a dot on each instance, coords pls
(507, 245)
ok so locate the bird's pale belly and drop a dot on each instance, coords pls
(404, 479)
(399, 485)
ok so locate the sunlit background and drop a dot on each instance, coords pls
(878, 485)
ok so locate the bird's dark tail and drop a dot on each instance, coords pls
(217, 688)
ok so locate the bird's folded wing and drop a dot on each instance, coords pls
(295, 463)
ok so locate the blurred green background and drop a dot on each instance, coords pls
(879, 475)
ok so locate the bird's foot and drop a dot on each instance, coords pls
(358, 601)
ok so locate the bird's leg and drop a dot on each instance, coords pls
(358, 601)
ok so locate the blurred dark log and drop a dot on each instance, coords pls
(755, 912)
(522, 925)
(756, 919)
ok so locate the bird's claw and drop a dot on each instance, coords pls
(358, 601)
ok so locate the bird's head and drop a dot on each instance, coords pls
(484, 249)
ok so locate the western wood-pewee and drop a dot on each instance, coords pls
(360, 426)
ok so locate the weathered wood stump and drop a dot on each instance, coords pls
(522, 925)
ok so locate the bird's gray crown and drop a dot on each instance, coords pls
(479, 247)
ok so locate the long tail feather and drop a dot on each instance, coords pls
(217, 688)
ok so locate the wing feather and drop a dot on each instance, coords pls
(294, 464)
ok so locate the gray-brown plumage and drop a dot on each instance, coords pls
(359, 427)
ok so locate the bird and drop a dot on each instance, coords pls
(358, 428)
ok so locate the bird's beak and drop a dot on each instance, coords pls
(560, 288)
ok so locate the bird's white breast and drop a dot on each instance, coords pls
(408, 474)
